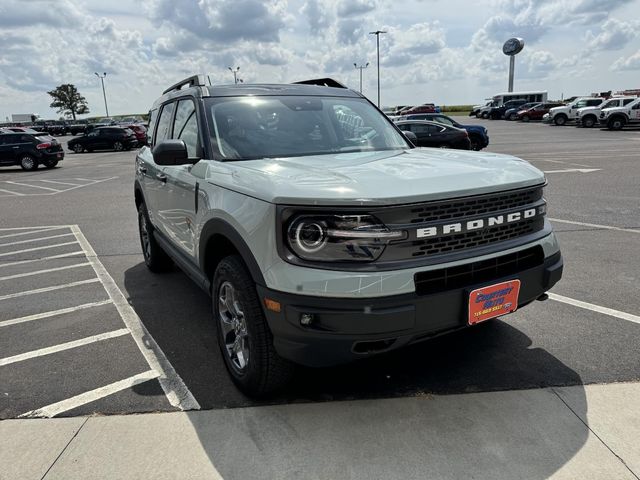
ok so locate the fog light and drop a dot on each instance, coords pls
(306, 319)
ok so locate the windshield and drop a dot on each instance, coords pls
(246, 128)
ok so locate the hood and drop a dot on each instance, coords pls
(372, 178)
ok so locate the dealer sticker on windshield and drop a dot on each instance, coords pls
(493, 301)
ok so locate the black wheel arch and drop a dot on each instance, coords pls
(220, 239)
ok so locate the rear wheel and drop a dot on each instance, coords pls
(512, 116)
(244, 337)
(78, 148)
(118, 146)
(476, 143)
(50, 163)
(154, 257)
(27, 162)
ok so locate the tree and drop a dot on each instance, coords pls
(67, 100)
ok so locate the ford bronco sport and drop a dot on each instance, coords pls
(322, 234)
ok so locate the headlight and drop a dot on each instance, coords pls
(339, 238)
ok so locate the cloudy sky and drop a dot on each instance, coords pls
(444, 51)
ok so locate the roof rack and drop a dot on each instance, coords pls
(323, 82)
(192, 81)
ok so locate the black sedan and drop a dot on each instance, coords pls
(29, 150)
(434, 134)
(104, 138)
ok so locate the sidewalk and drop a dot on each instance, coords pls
(589, 432)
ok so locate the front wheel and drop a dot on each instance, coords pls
(512, 116)
(476, 143)
(485, 115)
(525, 118)
(560, 120)
(77, 148)
(616, 123)
(27, 162)
(244, 337)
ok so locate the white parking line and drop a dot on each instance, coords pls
(174, 388)
(49, 289)
(63, 346)
(595, 225)
(53, 313)
(48, 270)
(36, 248)
(12, 193)
(90, 396)
(41, 259)
(33, 186)
(19, 242)
(595, 308)
(43, 230)
(61, 183)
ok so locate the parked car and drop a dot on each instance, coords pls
(57, 128)
(588, 116)
(537, 112)
(321, 235)
(29, 150)
(478, 135)
(483, 112)
(511, 113)
(617, 117)
(566, 113)
(424, 108)
(29, 130)
(80, 126)
(496, 113)
(475, 110)
(104, 138)
(139, 131)
(434, 134)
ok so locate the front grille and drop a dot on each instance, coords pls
(414, 218)
(470, 274)
(474, 206)
(461, 241)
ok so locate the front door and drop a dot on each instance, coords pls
(177, 200)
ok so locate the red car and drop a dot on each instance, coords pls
(537, 112)
(140, 131)
(424, 108)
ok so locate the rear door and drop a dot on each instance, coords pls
(8, 148)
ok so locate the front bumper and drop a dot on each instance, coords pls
(347, 329)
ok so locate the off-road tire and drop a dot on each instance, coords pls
(588, 122)
(155, 257)
(616, 123)
(265, 372)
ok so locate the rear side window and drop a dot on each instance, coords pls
(627, 101)
(185, 127)
(153, 115)
(164, 123)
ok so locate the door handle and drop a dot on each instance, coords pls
(15, 148)
(162, 177)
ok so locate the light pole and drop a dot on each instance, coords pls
(235, 74)
(101, 77)
(377, 34)
(361, 67)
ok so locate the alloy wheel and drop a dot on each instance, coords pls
(118, 147)
(234, 327)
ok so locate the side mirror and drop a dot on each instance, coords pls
(410, 136)
(171, 152)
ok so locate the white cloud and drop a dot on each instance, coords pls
(614, 35)
(631, 62)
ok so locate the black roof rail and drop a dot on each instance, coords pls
(323, 82)
(192, 81)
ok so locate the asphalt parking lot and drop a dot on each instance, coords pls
(86, 328)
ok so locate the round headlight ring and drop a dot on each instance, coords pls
(310, 237)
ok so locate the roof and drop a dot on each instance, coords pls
(277, 89)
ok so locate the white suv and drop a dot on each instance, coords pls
(566, 113)
(617, 117)
(588, 116)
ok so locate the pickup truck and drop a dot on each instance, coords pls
(617, 118)
(566, 113)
